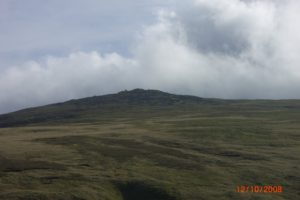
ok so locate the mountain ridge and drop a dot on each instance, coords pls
(75, 107)
(131, 103)
(138, 96)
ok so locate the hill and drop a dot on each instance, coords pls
(93, 107)
(151, 145)
(130, 104)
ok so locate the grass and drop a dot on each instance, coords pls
(178, 152)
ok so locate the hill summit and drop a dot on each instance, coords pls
(136, 97)
(93, 107)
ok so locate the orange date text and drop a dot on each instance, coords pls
(259, 189)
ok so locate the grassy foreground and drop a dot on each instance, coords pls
(156, 153)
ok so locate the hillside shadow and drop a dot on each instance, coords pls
(12, 165)
(139, 190)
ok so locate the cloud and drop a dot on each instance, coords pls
(57, 79)
(226, 49)
(209, 48)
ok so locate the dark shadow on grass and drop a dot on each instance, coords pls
(138, 190)
(13, 165)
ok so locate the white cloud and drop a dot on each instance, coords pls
(209, 48)
(57, 79)
(227, 49)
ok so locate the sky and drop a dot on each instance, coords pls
(56, 50)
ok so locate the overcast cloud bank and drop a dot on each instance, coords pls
(209, 48)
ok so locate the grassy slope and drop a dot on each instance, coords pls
(193, 152)
(91, 108)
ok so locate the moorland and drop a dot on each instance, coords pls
(150, 145)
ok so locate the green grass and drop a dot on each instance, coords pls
(170, 152)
